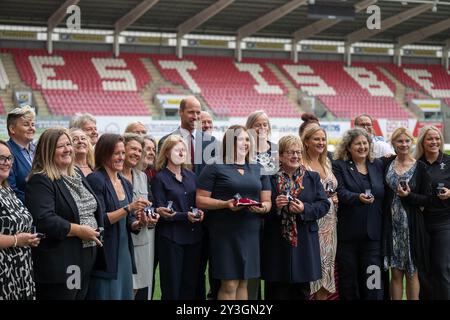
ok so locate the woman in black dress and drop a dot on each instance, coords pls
(234, 231)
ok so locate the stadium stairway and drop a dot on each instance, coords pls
(292, 96)
(150, 90)
(17, 82)
(400, 94)
(159, 82)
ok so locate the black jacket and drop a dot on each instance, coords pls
(358, 221)
(54, 209)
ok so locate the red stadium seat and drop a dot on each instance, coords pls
(76, 84)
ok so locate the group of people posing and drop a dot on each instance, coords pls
(88, 217)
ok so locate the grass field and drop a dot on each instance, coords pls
(157, 295)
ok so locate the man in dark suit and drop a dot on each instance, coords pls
(201, 150)
(201, 146)
(21, 130)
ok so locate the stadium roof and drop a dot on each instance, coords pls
(243, 17)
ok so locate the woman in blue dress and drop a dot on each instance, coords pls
(234, 231)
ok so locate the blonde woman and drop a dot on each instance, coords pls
(430, 150)
(405, 240)
(315, 158)
(179, 229)
(20, 124)
(83, 151)
(66, 210)
(291, 250)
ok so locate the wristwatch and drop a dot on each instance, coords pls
(126, 209)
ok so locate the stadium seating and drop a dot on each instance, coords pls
(432, 79)
(229, 88)
(2, 108)
(85, 81)
(346, 91)
(4, 81)
(97, 83)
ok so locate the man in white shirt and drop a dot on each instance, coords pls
(380, 147)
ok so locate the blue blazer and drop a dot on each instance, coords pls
(104, 190)
(54, 209)
(19, 171)
(202, 141)
(282, 262)
(358, 221)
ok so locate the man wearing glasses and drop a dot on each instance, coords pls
(21, 131)
(380, 147)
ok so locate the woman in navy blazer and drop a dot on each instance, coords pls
(65, 209)
(123, 216)
(361, 194)
(290, 248)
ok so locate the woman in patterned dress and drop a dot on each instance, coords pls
(315, 159)
(405, 240)
(266, 154)
(16, 267)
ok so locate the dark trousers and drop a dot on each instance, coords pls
(60, 291)
(178, 269)
(436, 284)
(141, 294)
(287, 291)
(155, 262)
(356, 260)
(214, 284)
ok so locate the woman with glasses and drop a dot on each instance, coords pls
(66, 210)
(83, 151)
(149, 153)
(315, 159)
(361, 196)
(291, 249)
(16, 240)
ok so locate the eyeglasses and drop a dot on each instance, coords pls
(68, 145)
(292, 152)
(365, 125)
(4, 159)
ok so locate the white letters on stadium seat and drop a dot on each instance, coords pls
(4, 81)
(310, 83)
(182, 67)
(255, 71)
(43, 73)
(424, 77)
(368, 80)
(120, 79)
